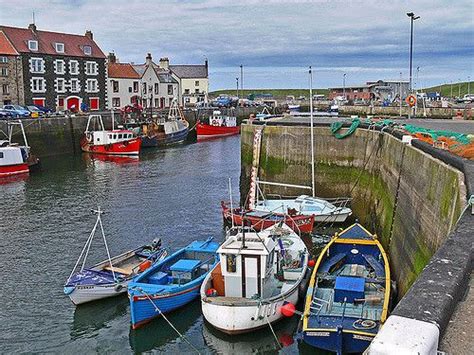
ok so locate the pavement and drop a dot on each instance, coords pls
(460, 126)
(459, 335)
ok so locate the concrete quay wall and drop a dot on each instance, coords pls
(413, 197)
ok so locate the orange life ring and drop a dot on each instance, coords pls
(411, 100)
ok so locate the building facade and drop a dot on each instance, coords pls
(193, 81)
(11, 78)
(381, 90)
(124, 84)
(60, 71)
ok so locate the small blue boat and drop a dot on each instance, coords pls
(349, 293)
(172, 282)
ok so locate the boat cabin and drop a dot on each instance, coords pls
(12, 154)
(246, 265)
(110, 137)
(220, 120)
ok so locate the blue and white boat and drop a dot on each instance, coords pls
(110, 277)
(171, 283)
(349, 293)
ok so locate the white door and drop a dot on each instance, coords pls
(251, 276)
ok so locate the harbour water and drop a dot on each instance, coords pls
(172, 193)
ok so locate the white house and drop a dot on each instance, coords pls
(123, 83)
(193, 81)
(158, 86)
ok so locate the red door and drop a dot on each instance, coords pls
(38, 102)
(73, 104)
(162, 102)
(61, 103)
(94, 103)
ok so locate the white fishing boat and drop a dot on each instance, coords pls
(110, 277)
(258, 273)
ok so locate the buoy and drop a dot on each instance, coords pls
(144, 265)
(286, 340)
(212, 292)
(311, 263)
(288, 309)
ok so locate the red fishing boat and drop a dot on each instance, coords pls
(15, 159)
(217, 125)
(262, 220)
(98, 140)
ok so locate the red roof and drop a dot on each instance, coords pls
(73, 44)
(122, 70)
(5, 46)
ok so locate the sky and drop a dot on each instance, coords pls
(274, 40)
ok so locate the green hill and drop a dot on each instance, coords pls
(445, 89)
(277, 93)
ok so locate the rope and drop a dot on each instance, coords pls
(271, 328)
(166, 319)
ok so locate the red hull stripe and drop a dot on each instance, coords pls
(14, 169)
(131, 147)
(208, 130)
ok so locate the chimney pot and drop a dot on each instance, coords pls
(148, 59)
(112, 58)
(32, 27)
(89, 35)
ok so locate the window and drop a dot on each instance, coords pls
(73, 67)
(196, 91)
(130, 89)
(170, 89)
(144, 88)
(91, 68)
(157, 103)
(135, 86)
(5, 89)
(1, 155)
(74, 85)
(115, 86)
(92, 85)
(38, 85)
(32, 45)
(4, 72)
(186, 91)
(37, 65)
(231, 263)
(116, 102)
(60, 85)
(3, 59)
(196, 83)
(59, 47)
(59, 66)
(120, 136)
(87, 50)
(157, 88)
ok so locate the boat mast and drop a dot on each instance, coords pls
(231, 206)
(312, 133)
(113, 118)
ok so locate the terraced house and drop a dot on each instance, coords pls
(11, 82)
(58, 70)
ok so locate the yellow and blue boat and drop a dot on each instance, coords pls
(349, 293)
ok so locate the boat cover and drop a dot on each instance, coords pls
(92, 277)
(356, 232)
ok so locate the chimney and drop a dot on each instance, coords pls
(112, 58)
(32, 27)
(164, 63)
(148, 59)
(89, 35)
(206, 63)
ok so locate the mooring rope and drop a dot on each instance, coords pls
(166, 319)
(271, 328)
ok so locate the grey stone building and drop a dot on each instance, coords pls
(11, 78)
(60, 71)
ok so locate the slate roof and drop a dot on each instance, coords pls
(6, 47)
(189, 71)
(73, 44)
(122, 70)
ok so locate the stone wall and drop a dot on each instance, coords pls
(408, 198)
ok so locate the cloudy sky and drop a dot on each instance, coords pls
(275, 40)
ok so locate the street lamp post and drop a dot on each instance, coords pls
(412, 17)
(242, 78)
(237, 80)
(459, 89)
(400, 93)
(344, 86)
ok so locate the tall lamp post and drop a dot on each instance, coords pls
(237, 80)
(344, 86)
(242, 77)
(412, 17)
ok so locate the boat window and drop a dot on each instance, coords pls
(231, 263)
(98, 139)
(120, 136)
(1, 155)
(115, 136)
(110, 136)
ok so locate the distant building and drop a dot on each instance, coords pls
(11, 78)
(381, 90)
(193, 81)
(124, 83)
(59, 70)
(158, 86)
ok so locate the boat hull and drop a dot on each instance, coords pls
(165, 139)
(237, 319)
(130, 147)
(9, 170)
(205, 131)
(334, 340)
(81, 294)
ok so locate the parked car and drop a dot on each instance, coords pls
(5, 114)
(35, 111)
(17, 110)
(45, 110)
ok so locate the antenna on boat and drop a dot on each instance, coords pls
(99, 220)
(312, 133)
(231, 206)
(113, 118)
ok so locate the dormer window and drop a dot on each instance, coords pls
(59, 47)
(32, 45)
(87, 50)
